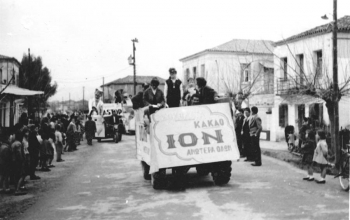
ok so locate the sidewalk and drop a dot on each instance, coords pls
(272, 145)
(280, 151)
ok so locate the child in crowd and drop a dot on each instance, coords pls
(18, 160)
(307, 149)
(320, 157)
(58, 143)
(45, 144)
(5, 163)
(291, 140)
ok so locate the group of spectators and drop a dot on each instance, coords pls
(30, 146)
(248, 128)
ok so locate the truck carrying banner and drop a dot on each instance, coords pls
(191, 135)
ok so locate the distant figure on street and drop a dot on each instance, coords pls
(90, 129)
(255, 129)
(173, 90)
(207, 95)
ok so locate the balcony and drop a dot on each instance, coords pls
(290, 85)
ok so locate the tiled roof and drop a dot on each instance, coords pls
(342, 23)
(249, 46)
(240, 46)
(130, 80)
(2, 57)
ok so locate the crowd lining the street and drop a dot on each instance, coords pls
(30, 146)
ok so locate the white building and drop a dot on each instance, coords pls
(11, 95)
(234, 66)
(299, 60)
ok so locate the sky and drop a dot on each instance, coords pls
(82, 41)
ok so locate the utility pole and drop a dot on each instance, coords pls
(335, 86)
(134, 61)
(103, 89)
(83, 98)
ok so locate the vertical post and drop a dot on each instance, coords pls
(335, 86)
(83, 98)
(103, 89)
(134, 63)
(69, 102)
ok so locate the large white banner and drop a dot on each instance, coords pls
(192, 135)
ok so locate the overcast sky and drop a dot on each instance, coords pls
(82, 41)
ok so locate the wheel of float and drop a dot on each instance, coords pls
(115, 138)
(344, 178)
(120, 137)
(222, 172)
(158, 179)
(145, 170)
(98, 139)
(201, 171)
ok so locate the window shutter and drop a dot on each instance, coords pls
(281, 115)
(286, 116)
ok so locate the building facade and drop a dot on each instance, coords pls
(305, 59)
(127, 85)
(238, 65)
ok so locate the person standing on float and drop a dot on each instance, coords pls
(173, 90)
(96, 104)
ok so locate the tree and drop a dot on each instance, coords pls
(318, 83)
(34, 75)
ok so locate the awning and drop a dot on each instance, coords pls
(267, 64)
(14, 90)
(301, 99)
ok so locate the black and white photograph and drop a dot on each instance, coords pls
(164, 110)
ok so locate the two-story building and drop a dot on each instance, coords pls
(127, 85)
(11, 95)
(305, 59)
(238, 65)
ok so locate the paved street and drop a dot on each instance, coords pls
(109, 185)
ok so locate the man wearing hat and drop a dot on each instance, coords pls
(173, 90)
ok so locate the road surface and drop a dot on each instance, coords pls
(108, 184)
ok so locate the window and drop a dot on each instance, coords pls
(268, 80)
(203, 70)
(284, 67)
(283, 115)
(318, 63)
(194, 72)
(245, 72)
(187, 74)
(300, 68)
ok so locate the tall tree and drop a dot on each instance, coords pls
(34, 75)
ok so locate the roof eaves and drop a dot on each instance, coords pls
(194, 55)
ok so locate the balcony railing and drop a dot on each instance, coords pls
(290, 85)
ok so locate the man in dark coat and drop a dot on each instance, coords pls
(255, 130)
(154, 97)
(207, 95)
(90, 129)
(173, 90)
(34, 149)
(238, 128)
(246, 136)
(137, 100)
